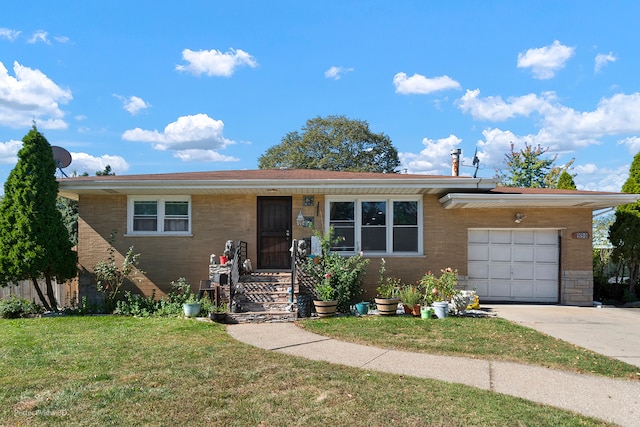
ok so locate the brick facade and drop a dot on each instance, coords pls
(218, 218)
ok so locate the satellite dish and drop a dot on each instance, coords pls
(62, 158)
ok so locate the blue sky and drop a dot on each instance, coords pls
(154, 87)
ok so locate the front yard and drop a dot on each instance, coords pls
(108, 370)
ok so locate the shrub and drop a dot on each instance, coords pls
(15, 307)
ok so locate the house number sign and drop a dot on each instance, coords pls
(581, 235)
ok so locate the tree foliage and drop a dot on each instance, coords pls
(333, 143)
(624, 234)
(565, 181)
(34, 241)
(528, 168)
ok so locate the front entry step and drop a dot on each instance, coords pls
(265, 297)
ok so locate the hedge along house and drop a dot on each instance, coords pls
(510, 244)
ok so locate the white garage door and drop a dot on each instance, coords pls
(514, 265)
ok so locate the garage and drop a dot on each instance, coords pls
(514, 265)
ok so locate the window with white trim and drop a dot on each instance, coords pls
(374, 225)
(159, 215)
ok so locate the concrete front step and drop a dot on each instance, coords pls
(262, 316)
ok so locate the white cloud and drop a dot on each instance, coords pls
(186, 135)
(133, 104)
(419, 84)
(545, 61)
(39, 36)
(337, 72)
(494, 108)
(9, 34)
(434, 159)
(632, 143)
(61, 39)
(214, 62)
(203, 156)
(603, 59)
(559, 127)
(9, 151)
(31, 95)
(83, 162)
(593, 178)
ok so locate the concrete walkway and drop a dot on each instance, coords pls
(611, 400)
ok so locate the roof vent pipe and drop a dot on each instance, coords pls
(455, 161)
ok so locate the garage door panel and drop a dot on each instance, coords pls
(522, 290)
(547, 289)
(479, 236)
(547, 237)
(478, 270)
(523, 253)
(500, 253)
(500, 271)
(526, 237)
(500, 236)
(478, 253)
(523, 271)
(546, 254)
(499, 289)
(546, 272)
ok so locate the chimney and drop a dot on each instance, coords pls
(455, 161)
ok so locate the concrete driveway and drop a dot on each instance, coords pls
(614, 332)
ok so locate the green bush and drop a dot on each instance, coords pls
(15, 307)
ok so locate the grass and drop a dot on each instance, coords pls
(486, 338)
(108, 370)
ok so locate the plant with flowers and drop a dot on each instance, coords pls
(388, 287)
(337, 276)
(447, 284)
(441, 288)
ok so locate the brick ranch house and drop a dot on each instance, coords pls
(511, 244)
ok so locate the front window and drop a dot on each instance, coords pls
(384, 226)
(155, 215)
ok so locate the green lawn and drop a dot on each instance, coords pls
(166, 371)
(488, 338)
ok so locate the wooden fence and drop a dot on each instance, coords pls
(26, 290)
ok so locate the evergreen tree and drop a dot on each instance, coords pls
(34, 241)
(333, 143)
(624, 234)
(565, 181)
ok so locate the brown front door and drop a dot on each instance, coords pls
(274, 233)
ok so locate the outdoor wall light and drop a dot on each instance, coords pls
(519, 217)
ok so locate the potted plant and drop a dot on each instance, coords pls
(326, 303)
(445, 289)
(411, 296)
(429, 291)
(218, 312)
(387, 299)
(192, 306)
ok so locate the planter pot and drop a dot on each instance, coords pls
(426, 312)
(191, 309)
(407, 309)
(387, 306)
(325, 308)
(304, 305)
(362, 308)
(416, 310)
(441, 309)
(218, 317)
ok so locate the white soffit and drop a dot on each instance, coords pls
(497, 200)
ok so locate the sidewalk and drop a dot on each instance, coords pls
(611, 400)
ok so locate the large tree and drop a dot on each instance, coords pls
(528, 168)
(333, 143)
(34, 241)
(566, 182)
(624, 233)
